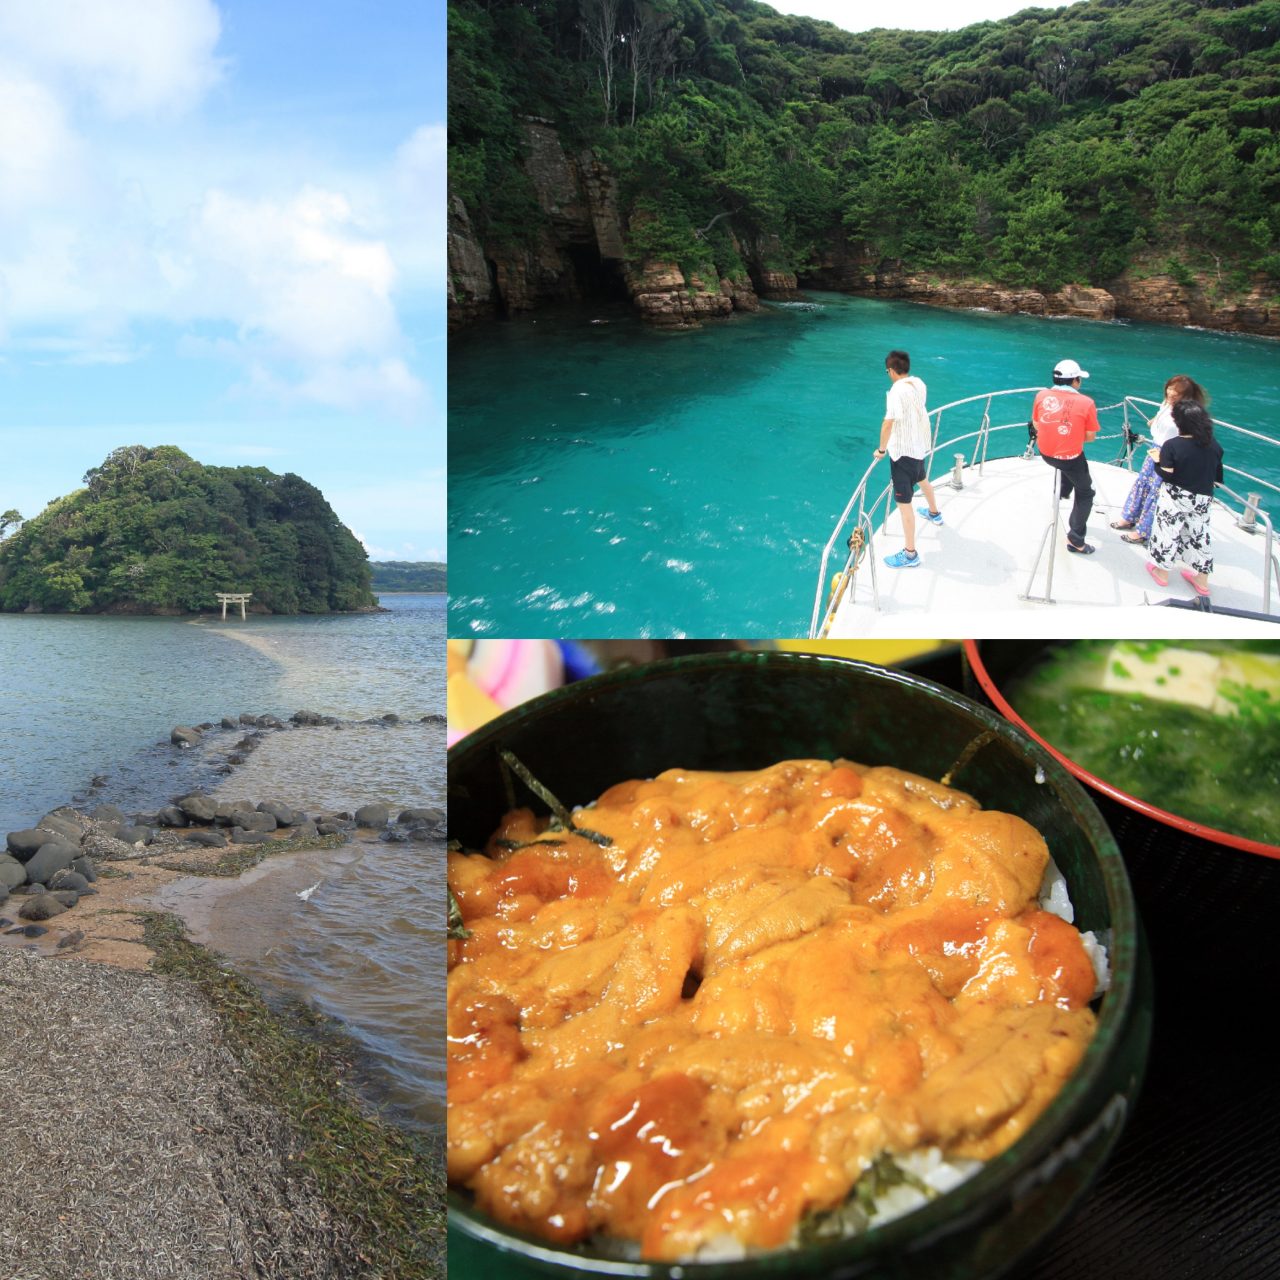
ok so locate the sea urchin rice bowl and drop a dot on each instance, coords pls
(720, 1013)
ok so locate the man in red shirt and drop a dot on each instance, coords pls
(1064, 421)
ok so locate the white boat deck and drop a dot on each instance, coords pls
(977, 564)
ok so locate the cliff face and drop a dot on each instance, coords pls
(579, 251)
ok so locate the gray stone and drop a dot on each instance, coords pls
(306, 830)
(333, 828)
(12, 872)
(414, 817)
(42, 907)
(70, 879)
(68, 830)
(68, 897)
(208, 839)
(252, 820)
(198, 806)
(107, 813)
(284, 816)
(391, 718)
(373, 815)
(270, 722)
(22, 844)
(228, 723)
(85, 868)
(183, 735)
(171, 816)
(51, 857)
(72, 939)
(307, 718)
(246, 718)
(240, 836)
(135, 835)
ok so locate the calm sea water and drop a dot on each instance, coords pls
(88, 696)
(606, 479)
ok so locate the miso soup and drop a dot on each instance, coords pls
(1191, 727)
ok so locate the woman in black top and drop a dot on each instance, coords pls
(1190, 464)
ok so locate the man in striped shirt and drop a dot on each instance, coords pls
(905, 436)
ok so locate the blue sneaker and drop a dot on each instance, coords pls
(933, 517)
(900, 560)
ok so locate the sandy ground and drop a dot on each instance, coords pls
(132, 1149)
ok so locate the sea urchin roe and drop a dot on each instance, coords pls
(710, 1027)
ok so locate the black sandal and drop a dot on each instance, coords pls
(1122, 524)
(1084, 549)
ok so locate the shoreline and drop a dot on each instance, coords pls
(259, 1127)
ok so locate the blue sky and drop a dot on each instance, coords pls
(221, 227)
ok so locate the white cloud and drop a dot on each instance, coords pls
(130, 55)
(417, 207)
(251, 256)
(299, 277)
(40, 155)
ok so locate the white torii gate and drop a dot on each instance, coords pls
(233, 597)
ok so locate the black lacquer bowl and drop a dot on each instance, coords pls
(749, 710)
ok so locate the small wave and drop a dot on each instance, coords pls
(797, 306)
(680, 566)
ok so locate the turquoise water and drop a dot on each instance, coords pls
(86, 696)
(606, 479)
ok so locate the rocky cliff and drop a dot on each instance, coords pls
(579, 252)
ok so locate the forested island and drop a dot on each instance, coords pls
(154, 531)
(409, 575)
(1116, 157)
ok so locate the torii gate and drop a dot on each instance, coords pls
(233, 597)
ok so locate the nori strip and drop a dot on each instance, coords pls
(854, 1216)
(457, 930)
(561, 815)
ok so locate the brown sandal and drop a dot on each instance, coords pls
(1132, 537)
(1122, 524)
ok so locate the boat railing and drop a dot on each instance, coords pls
(857, 518)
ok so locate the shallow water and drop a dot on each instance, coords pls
(606, 479)
(97, 696)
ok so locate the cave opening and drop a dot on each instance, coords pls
(596, 278)
(500, 308)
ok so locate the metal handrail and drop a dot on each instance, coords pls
(821, 620)
(1269, 563)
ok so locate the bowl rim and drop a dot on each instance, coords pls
(1056, 1134)
(1189, 826)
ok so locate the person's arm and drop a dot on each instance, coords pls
(886, 430)
(1091, 426)
(1166, 463)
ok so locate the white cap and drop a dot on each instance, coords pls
(1068, 369)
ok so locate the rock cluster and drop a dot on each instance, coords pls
(48, 866)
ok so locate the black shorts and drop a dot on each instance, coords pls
(905, 473)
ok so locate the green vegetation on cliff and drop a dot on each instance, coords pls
(409, 575)
(1050, 147)
(155, 530)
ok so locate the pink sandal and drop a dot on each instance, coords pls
(1191, 578)
(1154, 572)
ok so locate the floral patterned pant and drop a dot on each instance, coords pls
(1140, 506)
(1181, 529)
